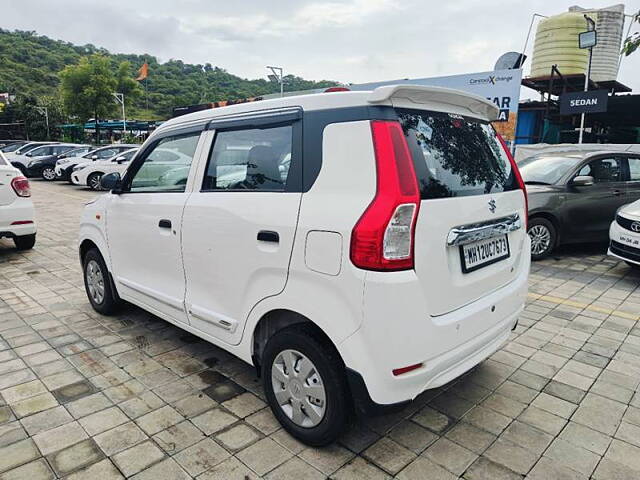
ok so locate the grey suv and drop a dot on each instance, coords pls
(574, 196)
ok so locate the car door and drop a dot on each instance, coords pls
(239, 224)
(144, 228)
(589, 209)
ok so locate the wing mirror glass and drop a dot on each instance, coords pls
(582, 181)
(111, 181)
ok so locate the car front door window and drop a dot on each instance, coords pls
(166, 167)
(603, 170)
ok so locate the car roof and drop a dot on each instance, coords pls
(426, 98)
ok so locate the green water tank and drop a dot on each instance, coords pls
(557, 44)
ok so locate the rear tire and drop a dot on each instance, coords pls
(295, 397)
(93, 181)
(25, 242)
(49, 174)
(543, 237)
(97, 284)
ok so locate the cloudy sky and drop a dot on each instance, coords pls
(349, 41)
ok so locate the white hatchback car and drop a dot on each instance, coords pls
(374, 247)
(91, 173)
(624, 234)
(16, 209)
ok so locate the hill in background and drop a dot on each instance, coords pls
(30, 63)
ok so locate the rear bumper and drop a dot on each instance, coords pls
(396, 334)
(20, 210)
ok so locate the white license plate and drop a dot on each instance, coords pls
(485, 252)
(629, 240)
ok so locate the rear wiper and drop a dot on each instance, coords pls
(535, 182)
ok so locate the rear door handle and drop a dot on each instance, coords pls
(268, 236)
(164, 223)
(617, 192)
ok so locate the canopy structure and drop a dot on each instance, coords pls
(133, 125)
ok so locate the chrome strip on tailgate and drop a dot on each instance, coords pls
(474, 232)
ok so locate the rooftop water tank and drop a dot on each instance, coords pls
(556, 43)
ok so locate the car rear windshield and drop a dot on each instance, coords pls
(455, 156)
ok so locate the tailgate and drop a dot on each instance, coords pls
(470, 228)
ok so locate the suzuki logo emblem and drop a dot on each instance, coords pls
(492, 205)
(635, 226)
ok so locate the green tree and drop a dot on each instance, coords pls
(632, 42)
(87, 89)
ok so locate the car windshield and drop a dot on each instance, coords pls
(76, 152)
(546, 170)
(12, 148)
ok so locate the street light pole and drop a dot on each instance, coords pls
(592, 26)
(279, 76)
(45, 111)
(120, 99)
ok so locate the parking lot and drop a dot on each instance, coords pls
(83, 395)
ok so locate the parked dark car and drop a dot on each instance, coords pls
(573, 197)
(45, 167)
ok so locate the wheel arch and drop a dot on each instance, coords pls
(554, 221)
(276, 320)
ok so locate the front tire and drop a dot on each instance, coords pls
(93, 181)
(305, 385)
(543, 237)
(25, 242)
(97, 284)
(49, 174)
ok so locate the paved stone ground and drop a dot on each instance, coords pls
(86, 396)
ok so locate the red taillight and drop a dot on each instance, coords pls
(410, 368)
(22, 222)
(383, 238)
(20, 185)
(519, 179)
(337, 89)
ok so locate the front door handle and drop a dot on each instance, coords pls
(617, 192)
(164, 223)
(268, 236)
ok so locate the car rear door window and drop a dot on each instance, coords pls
(455, 156)
(250, 159)
(634, 169)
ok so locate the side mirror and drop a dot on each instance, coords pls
(111, 181)
(582, 181)
(62, 155)
(120, 159)
(94, 157)
(29, 154)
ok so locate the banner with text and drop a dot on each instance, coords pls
(502, 87)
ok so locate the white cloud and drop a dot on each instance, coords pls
(349, 41)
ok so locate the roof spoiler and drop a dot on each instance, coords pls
(475, 104)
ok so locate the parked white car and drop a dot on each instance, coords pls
(17, 219)
(91, 173)
(375, 247)
(624, 234)
(64, 166)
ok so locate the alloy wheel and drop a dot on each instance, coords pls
(49, 174)
(540, 239)
(94, 182)
(95, 281)
(298, 388)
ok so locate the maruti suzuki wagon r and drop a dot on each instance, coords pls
(357, 248)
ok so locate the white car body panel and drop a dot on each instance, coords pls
(629, 237)
(12, 207)
(378, 321)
